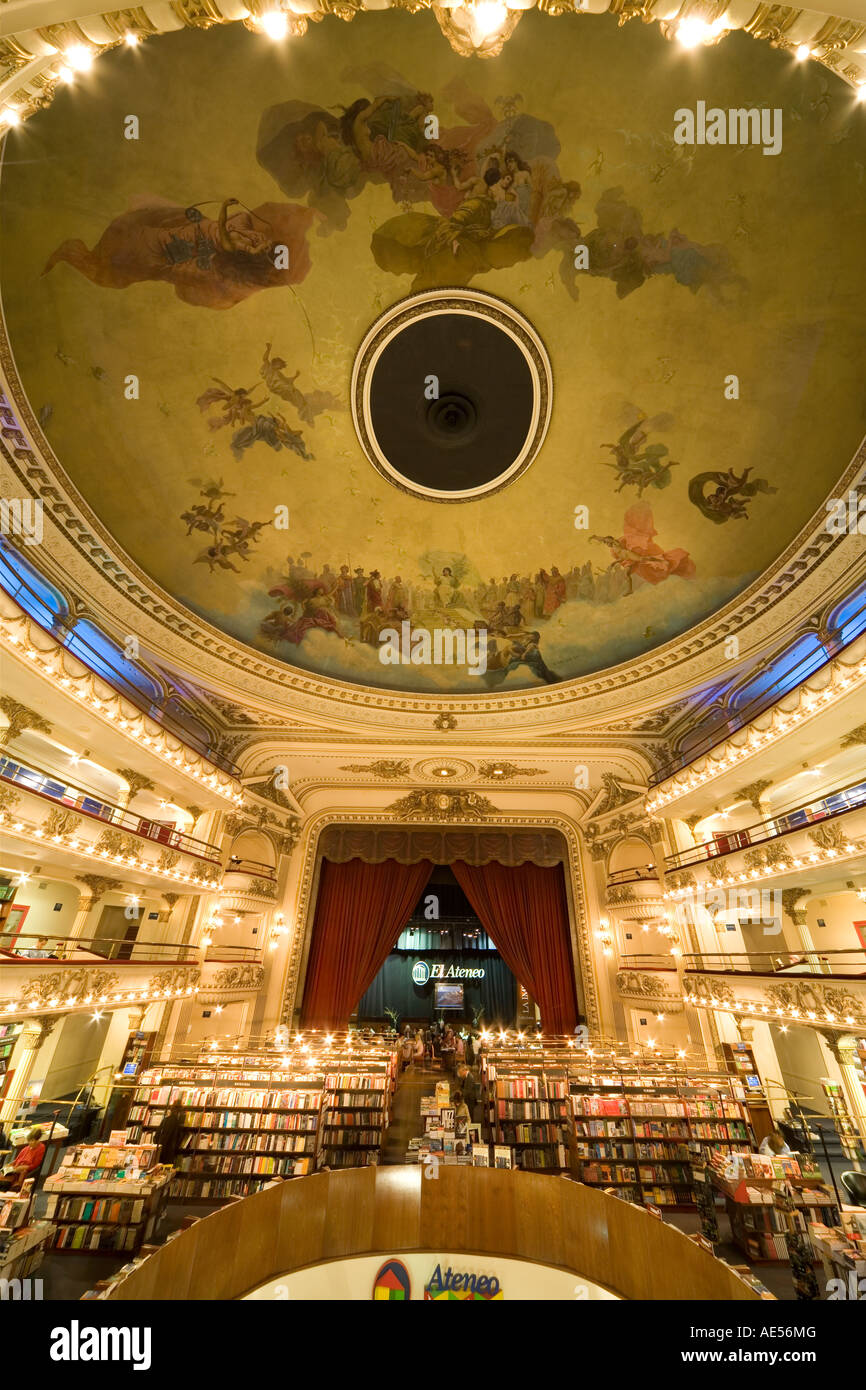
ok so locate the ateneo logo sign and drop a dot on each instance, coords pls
(422, 972)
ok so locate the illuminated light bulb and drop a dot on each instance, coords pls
(12, 117)
(488, 17)
(79, 58)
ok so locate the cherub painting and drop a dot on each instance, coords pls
(229, 540)
(308, 404)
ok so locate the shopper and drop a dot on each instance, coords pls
(418, 1052)
(407, 1048)
(461, 1109)
(26, 1163)
(169, 1132)
(448, 1044)
(774, 1145)
(470, 1089)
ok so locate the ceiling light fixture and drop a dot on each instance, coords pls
(693, 32)
(275, 24)
(80, 59)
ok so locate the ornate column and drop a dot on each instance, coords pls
(790, 898)
(36, 1031)
(98, 887)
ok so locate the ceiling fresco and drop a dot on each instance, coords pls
(184, 308)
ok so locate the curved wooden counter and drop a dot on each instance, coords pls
(388, 1210)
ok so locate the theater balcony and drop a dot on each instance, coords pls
(767, 734)
(229, 975)
(40, 808)
(822, 990)
(77, 678)
(650, 980)
(249, 885)
(95, 975)
(635, 894)
(820, 841)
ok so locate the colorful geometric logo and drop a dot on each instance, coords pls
(420, 972)
(392, 1282)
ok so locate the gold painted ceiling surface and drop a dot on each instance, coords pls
(229, 468)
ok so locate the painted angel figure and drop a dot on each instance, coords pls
(308, 404)
(237, 404)
(635, 553)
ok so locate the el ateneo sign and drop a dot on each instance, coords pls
(422, 972)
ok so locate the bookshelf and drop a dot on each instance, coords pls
(627, 1124)
(242, 1126)
(251, 1117)
(527, 1111)
(9, 1033)
(105, 1198)
(356, 1111)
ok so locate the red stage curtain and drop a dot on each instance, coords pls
(359, 913)
(524, 911)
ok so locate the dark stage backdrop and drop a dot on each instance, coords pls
(393, 988)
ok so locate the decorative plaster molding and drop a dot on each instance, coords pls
(442, 806)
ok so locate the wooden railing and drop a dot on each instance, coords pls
(390, 1210)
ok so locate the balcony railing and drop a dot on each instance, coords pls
(253, 868)
(27, 949)
(61, 626)
(728, 842)
(648, 874)
(58, 790)
(846, 964)
(232, 955)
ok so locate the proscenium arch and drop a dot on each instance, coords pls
(303, 910)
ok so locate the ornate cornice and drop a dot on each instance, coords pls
(30, 68)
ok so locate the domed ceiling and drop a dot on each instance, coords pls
(185, 294)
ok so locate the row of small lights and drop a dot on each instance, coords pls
(783, 723)
(815, 857)
(131, 997)
(768, 1012)
(158, 742)
(81, 847)
(489, 17)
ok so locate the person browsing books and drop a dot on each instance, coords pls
(26, 1163)
(774, 1145)
(461, 1109)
